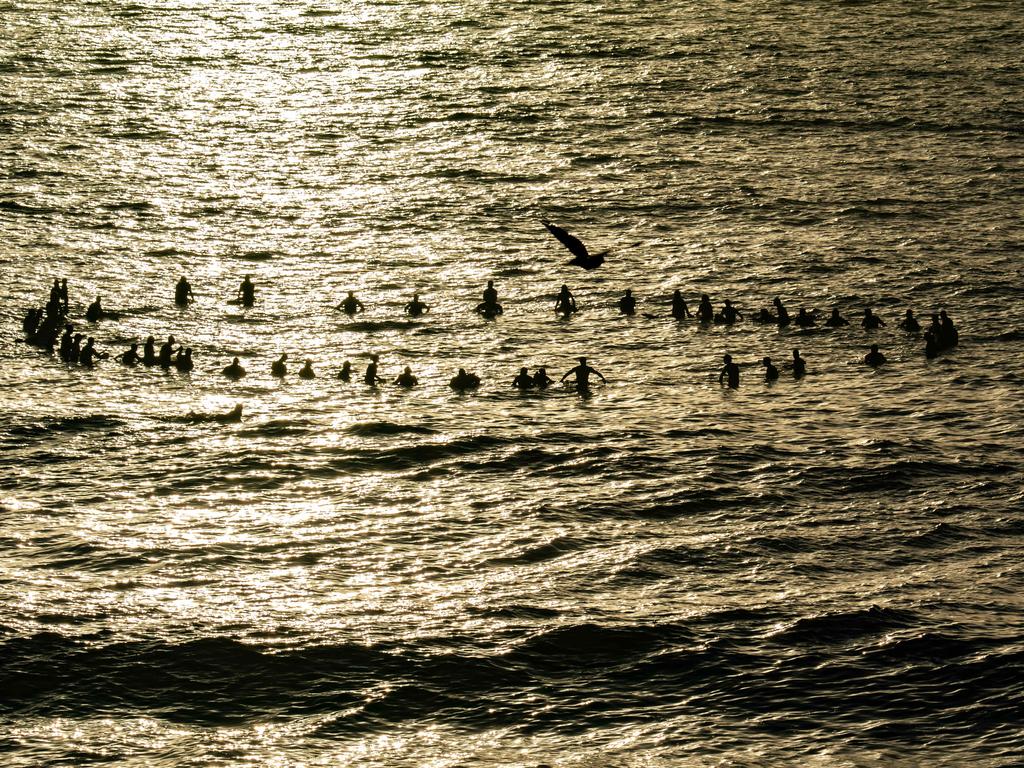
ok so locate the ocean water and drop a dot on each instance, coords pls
(823, 572)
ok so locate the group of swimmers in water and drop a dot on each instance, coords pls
(48, 328)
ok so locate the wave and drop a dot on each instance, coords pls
(67, 424)
(378, 428)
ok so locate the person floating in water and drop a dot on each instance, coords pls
(523, 380)
(183, 293)
(307, 371)
(582, 373)
(345, 374)
(350, 305)
(871, 321)
(835, 320)
(415, 308)
(730, 372)
(279, 368)
(234, 371)
(166, 357)
(799, 365)
(149, 352)
(94, 312)
(728, 315)
(246, 292)
(565, 304)
(490, 307)
(463, 380)
(90, 354)
(371, 377)
(804, 319)
(406, 379)
(874, 358)
(781, 315)
(679, 309)
(183, 361)
(705, 312)
(131, 356)
(909, 323)
(541, 380)
(771, 373)
(627, 304)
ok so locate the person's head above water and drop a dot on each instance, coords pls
(727, 358)
(766, 361)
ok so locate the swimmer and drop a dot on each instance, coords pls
(166, 351)
(131, 357)
(679, 309)
(371, 377)
(730, 372)
(183, 361)
(31, 322)
(246, 294)
(871, 321)
(803, 319)
(234, 371)
(771, 373)
(566, 302)
(307, 371)
(76, 348)
(64, 303)
(781, 315)
(909, 323)
(90, 354)
(345, 374)
(582, 373)
(94, 312)
(799, 365)
(950, 336)
(524, 380)
(415, 308)
(463, 380)
(705, 312)
(627, 304)
(66, 341)
(541, 380)
(350, 305)
(149, 352)
(490, 294)
(766, 317)
(874, 358)
(406, 379)
(836, 320)
(279, 369)
(183, 293)
(728, 315)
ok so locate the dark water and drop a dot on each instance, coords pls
(821, 572)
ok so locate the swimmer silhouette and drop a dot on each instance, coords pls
(94, 312)
(90, 354)
(871, 321)
(582, 373)
(234, 371)
(307, 371)
(490, 293)
(415, 308)
(166, 353)
(489, 307)
(31, 322)
(728, 315)
(345, 374)
(246, 295)
(149, 352)
(950, 335)
(909, 323)
(68, 338)
(406, 379)
(524, 380)
(541, 380)
(463, 380)
(627, 304)
(803, 319)
(874, 358)
(64, 303)
(580, 256)
(836, 320)
(799, 365)
(183, 362)
(730, 372)
(566, 302)
(350, 305)
(705, 312)
(76, 347)
(771, 373)
(765, 317)
(279, 368)
(371, 377)
(130, 357)
(231, 417)
(183, 293)
(679, 309)
(781, 315)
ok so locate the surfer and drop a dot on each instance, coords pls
(949, 335)
(234, 371)
(580, 256)
(94, 312)
(66, 340)
(541, 380)
(566, 302)
(76, 348)
(730, 372)
(371, 377)
(582, 373)
(279, 368)
(90, 354)
(771, 373)
(909, 323)
(524, 380)
(627, 304)
(799, 365)
(835, 320)
(183, 293)
(728, 315)
(246, 295)
(406, 379)
(166, 359)
(131, 356)
(765, 317)
(705, 312)
(781, 315)
(804, 319)
(463, 380)
(874, 358)
(679, 309)
(871, 321)
(64, 304)
(307, 371)
(183, 360)
(345, 374)
(415, 308)
(149, 352)
(350, 305)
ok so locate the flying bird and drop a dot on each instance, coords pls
(581, 258)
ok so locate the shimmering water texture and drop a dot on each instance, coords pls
(823, 572)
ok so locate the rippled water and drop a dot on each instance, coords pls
(817, 572)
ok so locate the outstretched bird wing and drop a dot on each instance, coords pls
(574, 244)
